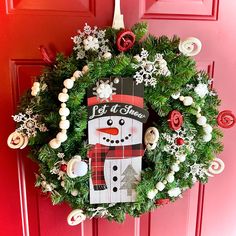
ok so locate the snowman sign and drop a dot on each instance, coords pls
(115, 131)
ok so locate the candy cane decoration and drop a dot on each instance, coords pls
(217, 166)
(190, 46)
(118, 19)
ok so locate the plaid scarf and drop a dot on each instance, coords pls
(99, 153)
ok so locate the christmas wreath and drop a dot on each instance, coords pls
(84, 116)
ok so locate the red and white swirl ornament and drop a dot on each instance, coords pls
(17, 140)
(226, 119)
(175, 120)
(216, 167)
(76, 217)
(125, 40)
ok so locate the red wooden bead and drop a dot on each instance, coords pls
(63, 167)
(125, 40)
(226, 119)
(162, 201)
(175, 120)
(179, 141)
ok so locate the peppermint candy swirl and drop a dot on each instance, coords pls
(175, 120)
(217, 166)
(76, 217)
(226, 119)
(125, 40)
(190, 46)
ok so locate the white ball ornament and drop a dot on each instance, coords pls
(107, 55)
(160, 186)
(68, 83)
(54, 143)
(74, 192)
(63, 97)
(188, 101)
(170, 178)
(182, 157)
(62, 137)
(64, 124)
(175, 95)
(207, 137)
(207, 128)
(151, 194)
(201, 120)
(175, 167)
(80, 168)
(64, 111)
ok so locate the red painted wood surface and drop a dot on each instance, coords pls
(26, 24)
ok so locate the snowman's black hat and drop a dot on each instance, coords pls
(123, 98)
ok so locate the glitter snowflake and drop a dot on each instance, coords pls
(147, 70)
(196, 170)
(104, 90)
(173, 148)
(30, 123)
(90, 40)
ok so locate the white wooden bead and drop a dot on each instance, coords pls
(63, 105)
(181, 98)
(198, 115)
(73, 79)
(64, 111)
(63, 117)
(170, 178)
(188, 101)
(68, 83)
(207, 128)
(64, 131)
(62, 137)
(77, 74)
(175, 167)
(201, 120)
(64, 90)
(152, 193)
(160, 186)
(64, 124)
(85, 69)
(63, 97)
(207, 137)
(164, 182)
(54, 143)
(74, 192)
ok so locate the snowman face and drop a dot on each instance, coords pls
(115, 131)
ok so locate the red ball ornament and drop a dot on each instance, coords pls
(63, 167)
(179, 141)
(125, 40)
(175, 120)
(162, 201)
(226, 119)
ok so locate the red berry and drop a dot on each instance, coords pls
(63, 167)
(162, 201)
(179, 141)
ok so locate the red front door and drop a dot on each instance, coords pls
(26, 24)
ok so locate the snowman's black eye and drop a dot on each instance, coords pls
(109, 122)
(121, 122)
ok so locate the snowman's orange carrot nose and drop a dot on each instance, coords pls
(110, 130)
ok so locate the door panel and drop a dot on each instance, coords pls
(26, 24)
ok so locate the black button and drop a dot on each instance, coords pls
(115, 168)
(115, 178)
(115, 189)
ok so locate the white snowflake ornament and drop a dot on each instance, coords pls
(104, 90)
(148, 70)
(201, 90)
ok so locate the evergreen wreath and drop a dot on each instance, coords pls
(181, 140)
